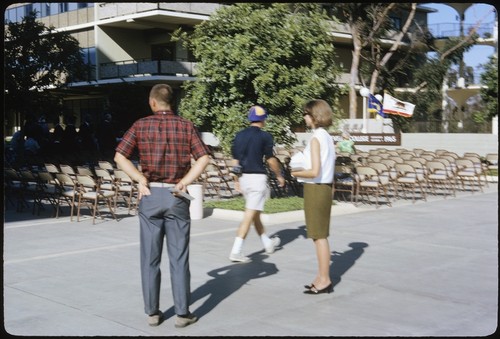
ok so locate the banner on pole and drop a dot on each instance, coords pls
(397, 107)
(375, 106)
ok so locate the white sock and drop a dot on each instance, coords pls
(266, 241)
(238, 244)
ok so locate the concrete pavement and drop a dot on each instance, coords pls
(423, 269)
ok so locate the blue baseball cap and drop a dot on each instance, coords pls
(257, 113)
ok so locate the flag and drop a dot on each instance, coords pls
(375, 106)
(397, 107)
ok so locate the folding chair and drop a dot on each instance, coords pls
(218, 181)
(439, 177)
(51, 168)
(68, 192)
(48, 189)
(126, 188)
(468, 174)
(481, 167)
(13, 185)
(106, 165)
(31, 189)
(107, 181)
(409, 180)
(343, 180)
(383, 170)
(369, 183)
(90, 191)
(68, 169)
(84, 171)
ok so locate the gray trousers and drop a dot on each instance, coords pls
(161, 215)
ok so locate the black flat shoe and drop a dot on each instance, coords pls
(314, 290)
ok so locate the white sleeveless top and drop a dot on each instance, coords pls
(327, 156)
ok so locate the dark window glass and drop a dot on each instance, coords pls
(89, 57)
(163, 52)
(63, 7)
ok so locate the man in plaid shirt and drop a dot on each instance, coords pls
(165, 143)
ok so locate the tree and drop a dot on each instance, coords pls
(380, 57)
(35, 58)
(277, 55)
(368, 24)
(431, 79)
(489, 93)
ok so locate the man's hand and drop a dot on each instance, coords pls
(143, 188)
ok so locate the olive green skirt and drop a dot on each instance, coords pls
(317, 209)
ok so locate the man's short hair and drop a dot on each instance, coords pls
(162, 93)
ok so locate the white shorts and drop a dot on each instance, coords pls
(255, 190)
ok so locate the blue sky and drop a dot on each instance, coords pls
(477, 12)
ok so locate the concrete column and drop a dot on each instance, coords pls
(196, 207)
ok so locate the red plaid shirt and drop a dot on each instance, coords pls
(165, 143)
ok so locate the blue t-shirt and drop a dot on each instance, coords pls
(250, 146)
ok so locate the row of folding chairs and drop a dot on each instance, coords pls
(219, 181)
(419, 175)
(73, 187)
(109, 178)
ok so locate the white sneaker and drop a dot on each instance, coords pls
(238, 257)
(275, 242)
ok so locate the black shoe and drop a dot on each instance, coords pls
(314, 290)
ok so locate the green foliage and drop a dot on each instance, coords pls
(271, 205)
(37, 57)
(489, 95)
(429, 75)
(276, 55)
(492, 172)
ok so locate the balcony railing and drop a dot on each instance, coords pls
(467, 125)
(446, 30)
(146, 67)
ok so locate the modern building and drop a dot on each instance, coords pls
(129, 46)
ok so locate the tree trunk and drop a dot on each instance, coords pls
(394, 48)
(356, 54)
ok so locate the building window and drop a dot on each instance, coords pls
(54, 8)
(63, 7)
(89, 56)
(43, 9)
(14, 14)
(163, 51)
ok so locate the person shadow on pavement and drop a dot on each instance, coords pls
(288, 235)
(343, 261)
(226, 281)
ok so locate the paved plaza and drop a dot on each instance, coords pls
(423, 269)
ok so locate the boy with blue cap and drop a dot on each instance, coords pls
(250, 147)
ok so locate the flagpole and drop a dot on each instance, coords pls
(381, 99)
(365, 92)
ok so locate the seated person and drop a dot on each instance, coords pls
(346, 145)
